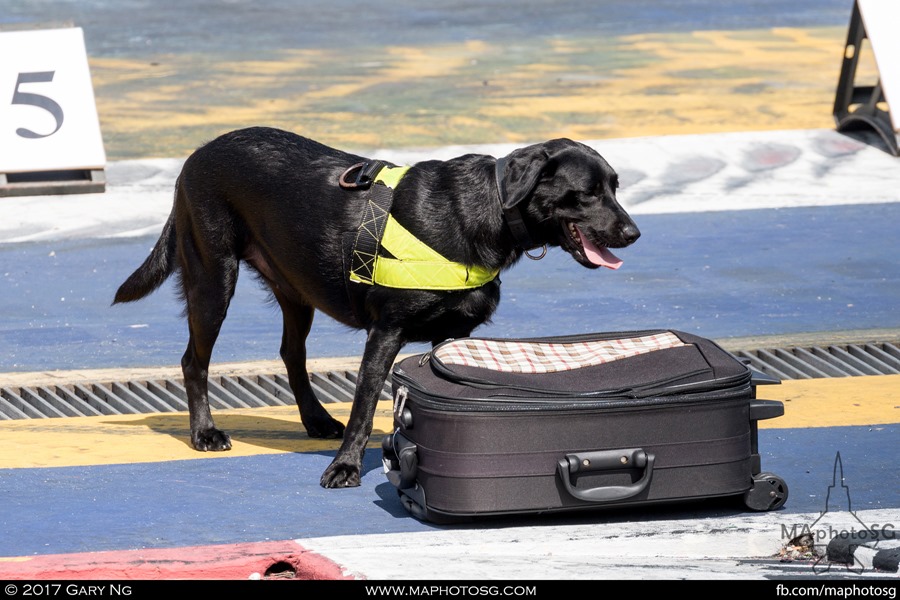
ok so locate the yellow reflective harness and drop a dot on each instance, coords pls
(412, 264)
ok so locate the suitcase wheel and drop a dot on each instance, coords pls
(768, 492)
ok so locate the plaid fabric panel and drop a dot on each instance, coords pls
(548, 357)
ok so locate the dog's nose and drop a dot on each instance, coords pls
(630, 233)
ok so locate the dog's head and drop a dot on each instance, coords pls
(566, 193)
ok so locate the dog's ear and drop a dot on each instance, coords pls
(523, 170)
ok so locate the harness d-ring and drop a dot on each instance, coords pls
(360, 180)
(539, 257)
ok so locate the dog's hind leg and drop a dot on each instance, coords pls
(297, 322)
(208, 288)
(382, 347)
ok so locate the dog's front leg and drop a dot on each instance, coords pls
(382, 347)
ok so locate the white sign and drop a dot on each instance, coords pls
(881, 18)
(48, 119)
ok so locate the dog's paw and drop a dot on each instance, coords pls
(325, 428)
(211, 440)
(340, 476)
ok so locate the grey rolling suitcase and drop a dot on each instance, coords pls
(500, 426)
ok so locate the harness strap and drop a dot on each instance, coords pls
(412, 264)
(371, 229)
(418, 266)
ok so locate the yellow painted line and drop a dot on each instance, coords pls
(160, 437)
(860, 401)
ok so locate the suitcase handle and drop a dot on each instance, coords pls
(606, 460)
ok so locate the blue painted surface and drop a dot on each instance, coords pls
(179, 503)
(717, 274)
(277, 497)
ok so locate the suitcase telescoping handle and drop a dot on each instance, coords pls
(606, 460)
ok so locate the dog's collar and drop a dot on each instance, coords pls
(512, 216)
(386, 253)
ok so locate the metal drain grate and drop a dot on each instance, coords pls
(167, 395)
(252, 391)
(829, 361)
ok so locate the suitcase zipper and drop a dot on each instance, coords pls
(568, 402)
(657, 388)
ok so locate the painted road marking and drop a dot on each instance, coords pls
(477, 91)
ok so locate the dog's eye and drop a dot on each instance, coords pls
(613, 185)
(572, 198)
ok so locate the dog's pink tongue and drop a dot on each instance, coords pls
(597, 255)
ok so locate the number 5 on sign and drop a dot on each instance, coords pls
(48, 118)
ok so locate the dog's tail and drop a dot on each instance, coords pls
(156, 268)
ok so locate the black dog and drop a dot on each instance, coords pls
(287, 206)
